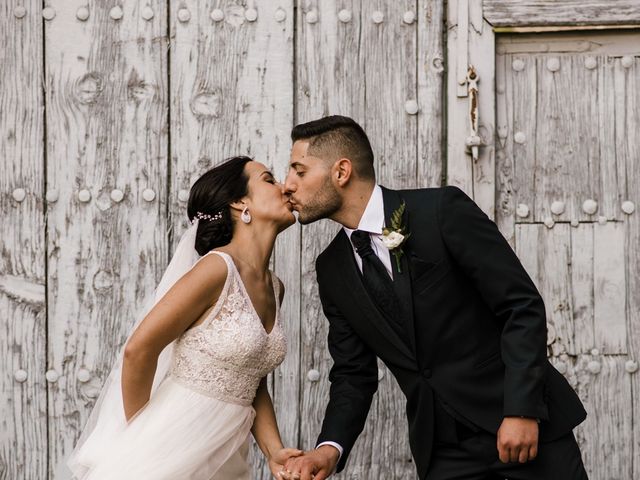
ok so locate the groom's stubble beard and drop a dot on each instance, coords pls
(323, 204)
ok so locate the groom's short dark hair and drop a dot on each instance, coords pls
(337, 136)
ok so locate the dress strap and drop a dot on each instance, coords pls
(225, 289)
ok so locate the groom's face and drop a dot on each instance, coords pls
(309, 185)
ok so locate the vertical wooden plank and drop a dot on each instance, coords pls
(609, 288)
(23, 401)
(610, 106)
(582, 287)
(430, 93)
(630, 124)
(106, 138)
(605, 388)
(476, 178)
(232, 94)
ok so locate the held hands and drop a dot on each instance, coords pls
(518, 439)
(278, 460)
(315, 464)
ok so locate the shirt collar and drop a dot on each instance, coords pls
(372, 219)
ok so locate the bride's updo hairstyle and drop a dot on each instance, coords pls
(209, 201)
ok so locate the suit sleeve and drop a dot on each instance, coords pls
(479, 249)
(353, 377)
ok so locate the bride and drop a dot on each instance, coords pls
(191, 382)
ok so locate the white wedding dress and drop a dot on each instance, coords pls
(196, 425)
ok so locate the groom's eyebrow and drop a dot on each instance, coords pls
(296, 165)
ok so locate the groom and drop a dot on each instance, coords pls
(442, 299)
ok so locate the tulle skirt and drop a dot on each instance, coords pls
(179, 435)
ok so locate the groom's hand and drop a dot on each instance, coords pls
(518, 439)
(315, 464)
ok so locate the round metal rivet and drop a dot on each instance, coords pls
(411, 107)
(251, 14)
(590, 206)
(380, 374)
(280, 15)
(548, 222)
(561, 367)
(183, 196)
(82, 13)
(313, 375)
(312, 16)
(627, 61)
(344, 16)
(184, 15)
(117, 195)
(518, 65)
(20, 375)
(84, 195)
(522, 210)
(83, 375)
(19, 194)
(409, 17)
(553, 65)
(564, 357)
(557, 207)
(48, 13)
(500, 88)
(519, 137)
(594, 367)
(116, 13)
(377, 16)
(217, 15)
(148, 194)
(147, 13)
(602, 220)
(628, 207)
(52, 196)
(19, 11)
(631, 366)
(595, 352)
(52, 376)
(590, 63)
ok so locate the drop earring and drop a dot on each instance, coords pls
(245, 216)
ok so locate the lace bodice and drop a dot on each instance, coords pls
(227, 354)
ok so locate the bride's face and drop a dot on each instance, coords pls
(266, 200)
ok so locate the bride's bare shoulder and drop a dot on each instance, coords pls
(211, 269)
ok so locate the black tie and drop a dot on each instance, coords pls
(375, 277)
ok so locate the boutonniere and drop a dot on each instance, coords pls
(394, 237)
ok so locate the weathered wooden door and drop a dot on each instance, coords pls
(559, 166)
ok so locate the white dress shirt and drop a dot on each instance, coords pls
(372, 221)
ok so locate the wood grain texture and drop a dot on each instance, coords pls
(106, 121)
(23, 405)
(430, 91)
(470, 37)
(513, 13)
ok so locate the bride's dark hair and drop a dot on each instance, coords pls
(210, 196)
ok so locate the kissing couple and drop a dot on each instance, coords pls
(421, 279)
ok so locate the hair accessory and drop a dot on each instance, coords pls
(210, 218)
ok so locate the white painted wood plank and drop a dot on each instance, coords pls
(511, 13)
(23, 404)
(106, 130)
(605, 436)
(609, 288)
(582, 287)
(430, 93)
(232, 94)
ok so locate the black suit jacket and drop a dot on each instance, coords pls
(476, 329)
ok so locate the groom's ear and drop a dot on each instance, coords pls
(342, 171)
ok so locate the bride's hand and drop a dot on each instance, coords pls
(277, 461)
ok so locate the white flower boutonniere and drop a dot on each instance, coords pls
(394, 237)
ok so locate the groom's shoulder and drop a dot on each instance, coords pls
(330, 250)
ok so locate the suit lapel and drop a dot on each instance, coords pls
(401, 280)
(353, 282)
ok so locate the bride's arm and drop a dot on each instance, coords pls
(265, 426)
(180, 307)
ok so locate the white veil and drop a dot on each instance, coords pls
(107, 416)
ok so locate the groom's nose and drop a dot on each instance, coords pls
(288, 186)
